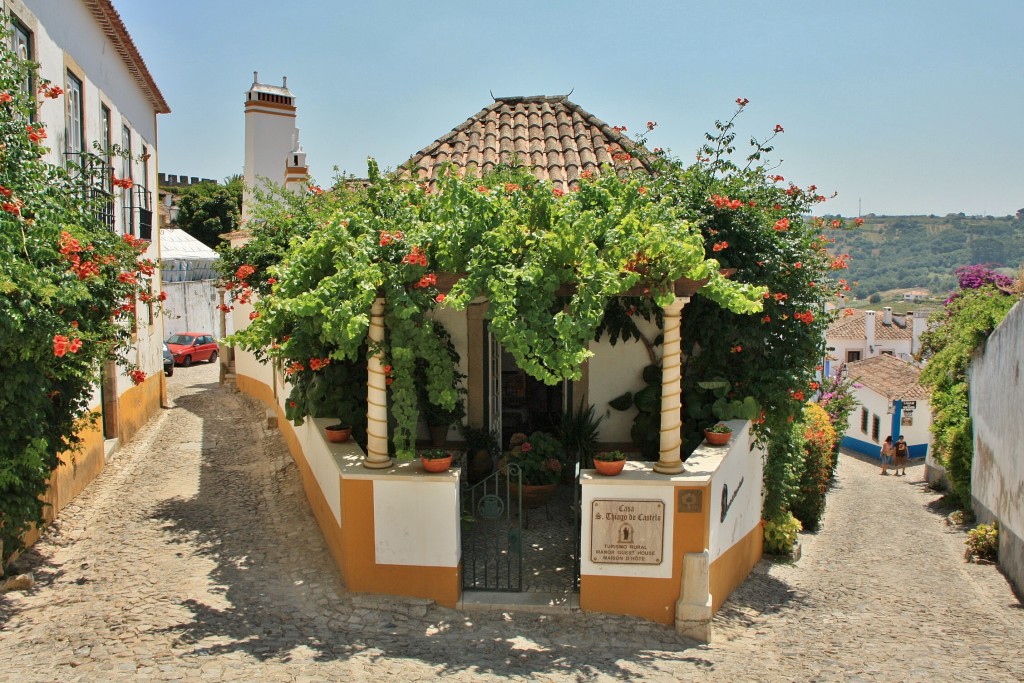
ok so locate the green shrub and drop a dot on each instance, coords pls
(819, 438)
(983, 542)
(780, 534)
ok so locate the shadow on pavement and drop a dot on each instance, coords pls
(281, 597)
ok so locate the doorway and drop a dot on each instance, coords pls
(504, 530)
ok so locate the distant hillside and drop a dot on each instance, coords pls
(903, 252)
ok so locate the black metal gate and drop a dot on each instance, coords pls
(492, 534)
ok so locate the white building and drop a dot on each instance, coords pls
(110, 98)
(865, 334)
(187, 268)
(880, 383)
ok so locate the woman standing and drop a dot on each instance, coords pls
(886, 454)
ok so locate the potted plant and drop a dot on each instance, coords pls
(609, 463)
(539, 458)
(338, 433)
(436, 459)
(578, 433)
(481, 451)
(718, 435)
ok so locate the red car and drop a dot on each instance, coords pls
(188, 347)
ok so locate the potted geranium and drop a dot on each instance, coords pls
(436, 459)
(609, 463)
(539, 459)
(718, 435)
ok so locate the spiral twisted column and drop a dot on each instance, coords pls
(669, 461)
(377, 457)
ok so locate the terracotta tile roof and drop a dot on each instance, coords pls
(890, 377)
(112, 26)
(852, 327)
(554, 137)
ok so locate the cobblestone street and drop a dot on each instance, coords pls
(195, 556)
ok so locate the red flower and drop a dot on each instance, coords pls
(387, 369)
(75, 345)
(12, 208)
(125, 183)
(782, 224)
(642, 190)
(6, 97)
(138, 377)
(35, 134)
(315, 364)
(557, 192)
(388, 381)
(736, 349)
(253, 315)
(439, 298)
(798, 395)
(163, 296)
(719, 246)
(814, 386)
(526, 447)
(779, 129)
(127, 278)
(511, 187)
(53, 92)
(291, 404)
(766, 319)
(482, 189)
(271, 281)
(244, 271)
(742, 101)
(798, 264)
(858, 221)
(60, 345)
(651, 125)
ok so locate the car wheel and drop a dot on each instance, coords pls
(213, 357)
(186, 361)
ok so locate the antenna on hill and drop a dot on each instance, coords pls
(860, 214)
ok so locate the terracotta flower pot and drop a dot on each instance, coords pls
(436, 464)
(609, 468)
(338, 433)
(716, 438)
(532, 495)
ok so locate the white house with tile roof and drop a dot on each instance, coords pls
(880, 382)
(858, 335)
(110, 98)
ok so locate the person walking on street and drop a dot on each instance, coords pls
(886, 454)
(901, 456)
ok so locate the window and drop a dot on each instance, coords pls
(74, 128)
(876, 428)
(864, 420)
(888, 352)
(21, 44)
(105, 188)
(852, 356)
(127, 196)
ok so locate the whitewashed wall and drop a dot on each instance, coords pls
(614, 370)
(191, 307)
(997, 473)
(917, 435)
(736, 490)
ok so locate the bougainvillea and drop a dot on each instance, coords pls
(954, 332)
(69, 288)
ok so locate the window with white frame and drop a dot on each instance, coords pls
(127, 195)
(21, 44)
(74, 128)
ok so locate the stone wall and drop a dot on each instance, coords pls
(997, 473)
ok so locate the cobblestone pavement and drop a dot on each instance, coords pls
(195, 556)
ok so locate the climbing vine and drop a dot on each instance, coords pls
(69, 291)
(548, 263)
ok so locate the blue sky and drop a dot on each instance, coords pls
(912, 106)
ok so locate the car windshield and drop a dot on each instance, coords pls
(181, 339)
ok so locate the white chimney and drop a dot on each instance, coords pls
(887, 316)
(920, 325)
(869, 332)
